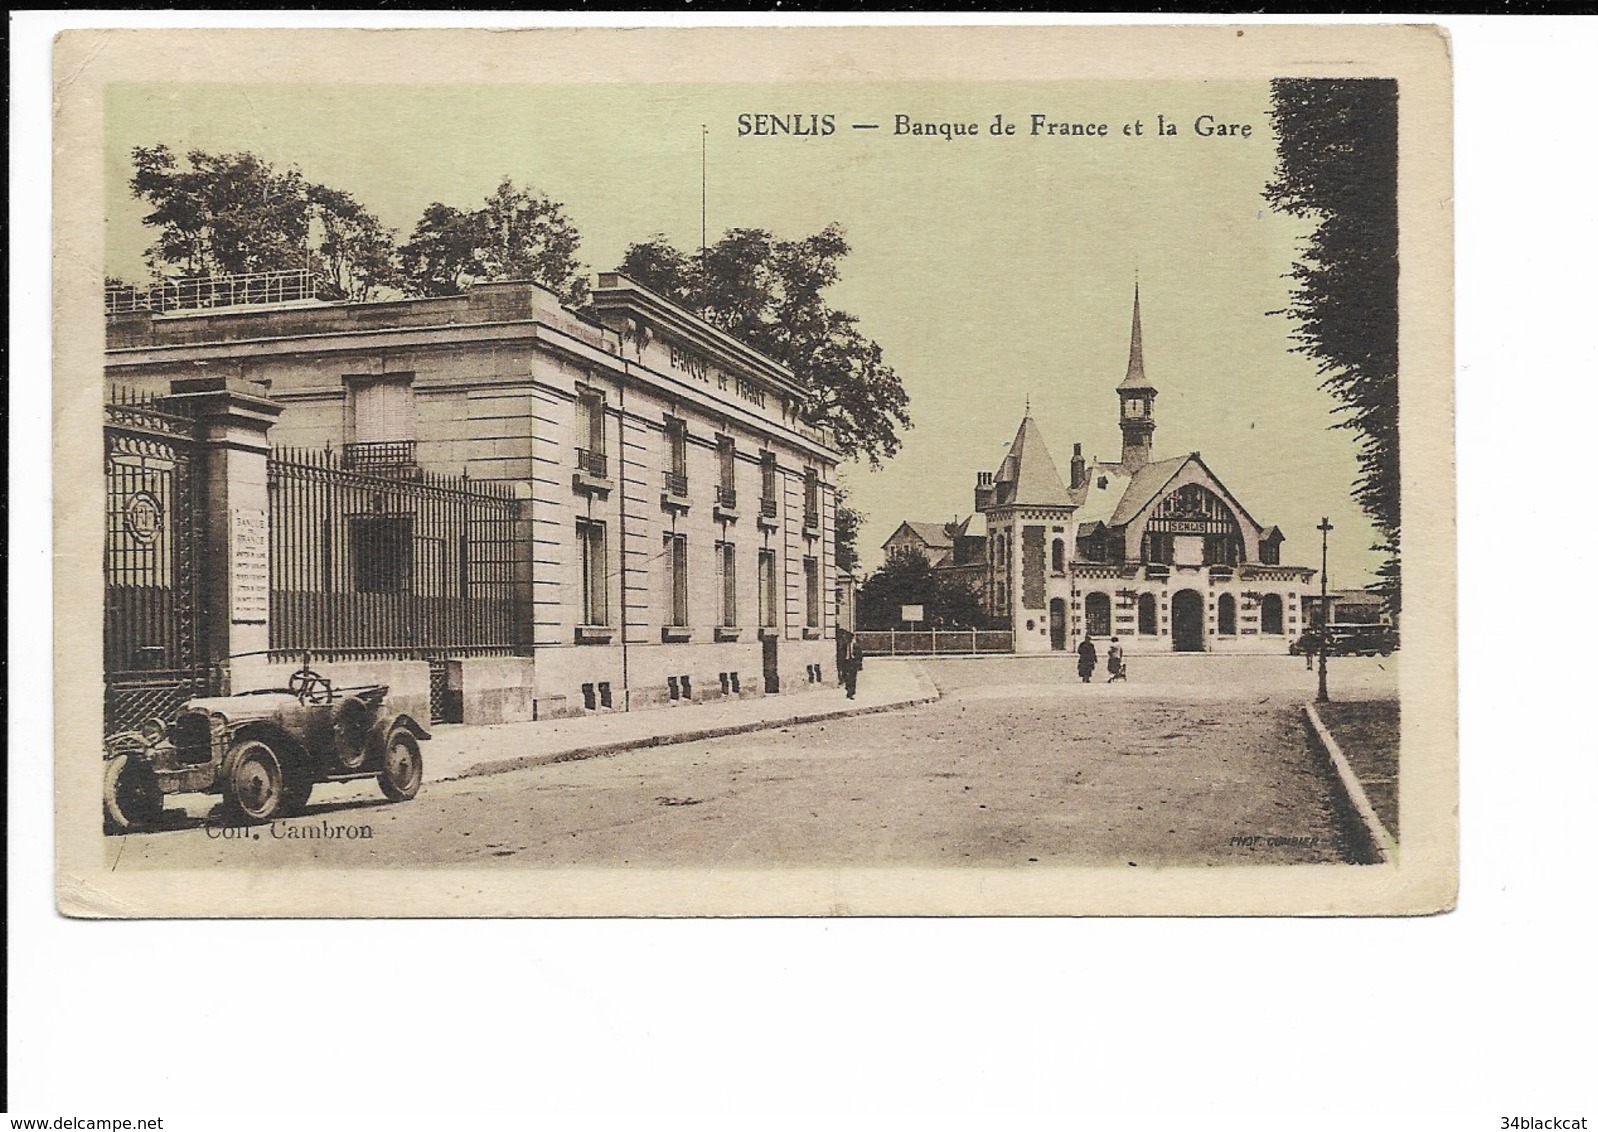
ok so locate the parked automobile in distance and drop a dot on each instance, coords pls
(1373, 639)
(262, 752)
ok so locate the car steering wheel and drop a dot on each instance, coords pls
(310, 687)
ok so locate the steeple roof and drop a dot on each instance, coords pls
(1135, 378)
(1028, 475)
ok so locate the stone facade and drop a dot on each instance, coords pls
(679, 514)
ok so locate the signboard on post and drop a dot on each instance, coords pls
(912, 613)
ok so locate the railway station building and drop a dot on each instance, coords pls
(1158, 552)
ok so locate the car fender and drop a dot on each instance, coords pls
(278, 738)
(403, 720)
(384, 728)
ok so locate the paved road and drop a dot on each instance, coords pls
(1017, 764)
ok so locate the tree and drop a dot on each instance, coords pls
(355, 255)
(769, 293)
(1337, 165)
(908, 579)
(517, 234)
(224, 214)
(846, 533)
(235, 214)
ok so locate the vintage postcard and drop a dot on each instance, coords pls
(785, 471)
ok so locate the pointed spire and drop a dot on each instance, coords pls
(1135, 377)
(1134, 363)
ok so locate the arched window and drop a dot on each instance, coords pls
(1271, 614)
(1059, 556)
(1145, 615)
(1226, 616)
(1098, 615)
(1193, 509)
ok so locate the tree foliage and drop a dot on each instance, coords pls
(846, 525)
(1337, 165)
(354, 252)
(234, 214)
(770, 294)
(518, 233)
(908, 579)
(220, 213)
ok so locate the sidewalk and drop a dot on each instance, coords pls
(462, 752)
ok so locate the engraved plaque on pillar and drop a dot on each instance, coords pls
(251, 565)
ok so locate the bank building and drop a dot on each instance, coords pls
(502, 508)
(1154, 551)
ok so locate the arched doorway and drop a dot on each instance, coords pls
(1226, 616)
(1147, 616)
(1271, 615)
(1187, 621)
(1057, 624)
(1097, 606)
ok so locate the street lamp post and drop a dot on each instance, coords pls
(1325, 528)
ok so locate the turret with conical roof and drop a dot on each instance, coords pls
(1028, 475)
(1137, 398)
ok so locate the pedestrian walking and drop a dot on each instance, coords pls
(1116, 662)
(849, 661)
(1087, 659)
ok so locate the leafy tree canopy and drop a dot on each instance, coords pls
(234, 214)
(1337, 165)
(769, 293)
(518, 233)
(908, 579)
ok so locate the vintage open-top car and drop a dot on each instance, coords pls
(262, 751)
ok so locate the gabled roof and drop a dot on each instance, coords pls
(933, 534)
(1030, 471)
(1146, 486)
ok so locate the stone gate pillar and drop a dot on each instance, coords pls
(232, 419)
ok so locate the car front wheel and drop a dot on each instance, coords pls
(401, 777)
(253, 785)
(132, 796)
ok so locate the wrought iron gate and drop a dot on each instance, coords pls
(154, 656)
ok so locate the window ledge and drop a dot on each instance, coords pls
(770, 633)
(598, 485)
(675, 634)
(726, 514)
(812, 633)
(727, 633)
(670, 501)
(766, 523)
(595, 634)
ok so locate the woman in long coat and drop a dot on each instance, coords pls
(1087, 659)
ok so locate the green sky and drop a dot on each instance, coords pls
(991, 269)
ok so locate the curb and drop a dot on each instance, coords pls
(1382, 842)
(926, 693)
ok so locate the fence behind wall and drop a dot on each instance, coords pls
(934, 642)
(391, 564)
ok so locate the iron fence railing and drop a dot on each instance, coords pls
(369, 565)
(592, 462)
(676, 482)
(373, 454)
(253, 289)
(726, 495)
(934, 642)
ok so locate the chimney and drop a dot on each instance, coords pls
(1079, 468)
(984, 492)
